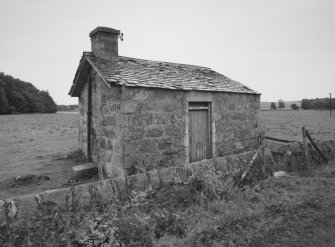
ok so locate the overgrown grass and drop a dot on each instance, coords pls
(77, 155)
(185, 215)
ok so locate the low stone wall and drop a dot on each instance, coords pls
(227, 169)
(292, 155)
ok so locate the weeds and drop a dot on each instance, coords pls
(193, 214)
(23, 181)
(77, 155)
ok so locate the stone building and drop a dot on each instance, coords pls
(138, 114)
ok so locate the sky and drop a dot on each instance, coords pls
(284, 49)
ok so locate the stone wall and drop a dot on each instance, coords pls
(105, 127)
(236, 119)
(82, 102)
(226, 169)
(153, 128)
(290, 157)
(107, 148)
(155, 121)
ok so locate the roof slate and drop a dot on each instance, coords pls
(133, 72)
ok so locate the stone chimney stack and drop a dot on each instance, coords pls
(104, 43)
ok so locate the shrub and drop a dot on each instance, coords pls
(166, 221)
(294, 107)
(281, 104)
(131, 232)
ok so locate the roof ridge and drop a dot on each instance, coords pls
(156, 61)
(137, 72)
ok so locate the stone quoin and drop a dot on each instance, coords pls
(138, 115)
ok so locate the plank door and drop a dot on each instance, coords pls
(199, 131)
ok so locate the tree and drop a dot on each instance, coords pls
(306, 104)
(17, 96)
(3, 101)
(316, 104)
(281, 104)
(273, 106)
(294, 107)
(49, 105)
(67, 107)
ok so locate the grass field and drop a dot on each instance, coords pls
(36, 144)
(288, 124)
(267, 105)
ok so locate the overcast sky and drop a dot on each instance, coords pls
(284, 49)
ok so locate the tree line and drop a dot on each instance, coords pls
(281, 105)
(67, 108)
(307, 104)
(317, 104)
(17, 96)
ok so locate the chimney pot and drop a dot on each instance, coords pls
(104, 43)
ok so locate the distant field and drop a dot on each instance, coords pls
(287, 124)
(36, 144)
(267, 105)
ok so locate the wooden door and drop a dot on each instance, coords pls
(199, 131)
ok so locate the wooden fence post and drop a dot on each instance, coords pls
(307, 162)
(315, 146)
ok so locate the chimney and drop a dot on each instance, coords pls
(104, 43)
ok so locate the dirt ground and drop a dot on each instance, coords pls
(287, 124)
(36, 144)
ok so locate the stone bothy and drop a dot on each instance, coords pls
(137, 114)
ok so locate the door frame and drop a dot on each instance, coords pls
(195, 106)
(206, 97)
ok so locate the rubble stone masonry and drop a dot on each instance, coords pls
(136, 128)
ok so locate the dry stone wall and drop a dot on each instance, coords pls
(293, 158)
(224, 169)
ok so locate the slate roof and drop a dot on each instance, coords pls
(133, 72)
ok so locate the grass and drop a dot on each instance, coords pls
(287, 124)
(36, 144)
(276, 212)
(267, 105)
